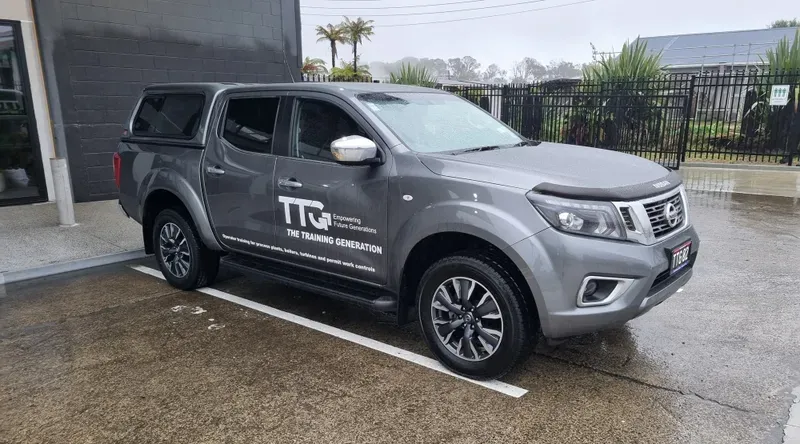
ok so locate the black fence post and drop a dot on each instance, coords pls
(526, 125)
(687, 125)
(485, 104)
(505, 107)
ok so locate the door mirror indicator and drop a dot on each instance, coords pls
(354, 150)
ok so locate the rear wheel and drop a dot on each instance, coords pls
(183, 259)
(473, 316)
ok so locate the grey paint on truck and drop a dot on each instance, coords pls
(480, 194)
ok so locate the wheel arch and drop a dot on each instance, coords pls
(436, 246)
(168, 189)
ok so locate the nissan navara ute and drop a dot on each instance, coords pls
(405, 200)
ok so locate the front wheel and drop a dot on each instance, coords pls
(183, 259)
(473, 316)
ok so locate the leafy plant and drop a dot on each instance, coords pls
(313, 66)
(633, 63)
(413, 75)
(347, 74)
(334, 35)
(615, 101)
(785, 57)
(355, 31)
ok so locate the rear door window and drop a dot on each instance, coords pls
(169, 115)
(250, 123)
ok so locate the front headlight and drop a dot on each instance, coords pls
(580, 216)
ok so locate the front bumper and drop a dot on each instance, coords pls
(556, 263)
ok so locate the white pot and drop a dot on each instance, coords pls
(17, 177)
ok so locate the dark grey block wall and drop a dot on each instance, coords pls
(99, 54)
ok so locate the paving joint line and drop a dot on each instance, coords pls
(650, 385)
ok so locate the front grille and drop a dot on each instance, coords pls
(658, 220)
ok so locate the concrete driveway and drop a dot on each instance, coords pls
(117, 355)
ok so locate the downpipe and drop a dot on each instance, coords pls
(63, 191)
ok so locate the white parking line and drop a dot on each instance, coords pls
(498, 386)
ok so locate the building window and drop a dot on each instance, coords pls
(21, 178)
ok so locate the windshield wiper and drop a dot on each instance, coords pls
(527, 142)
(476, 149)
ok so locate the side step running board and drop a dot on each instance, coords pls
(362, 295)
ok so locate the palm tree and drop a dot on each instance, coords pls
(355, 31)
(333, 34)
(314, 66)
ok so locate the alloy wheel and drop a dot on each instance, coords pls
(174, 250)
(467, 318)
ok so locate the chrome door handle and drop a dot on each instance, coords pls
(289, 183)
(215, 171)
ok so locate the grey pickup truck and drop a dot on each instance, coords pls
(408, 201)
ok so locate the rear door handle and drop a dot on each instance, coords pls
(215, 171)
(289, 183)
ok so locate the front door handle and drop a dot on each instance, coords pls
(289, 183)
(215, 171)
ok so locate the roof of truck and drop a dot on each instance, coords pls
(334, 87)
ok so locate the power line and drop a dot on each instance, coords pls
(479, 17)
(401, 14)
(390, 7)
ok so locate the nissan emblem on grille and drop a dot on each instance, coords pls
(671, 214)
(666, 215)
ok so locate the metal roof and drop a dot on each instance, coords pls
(738, 48)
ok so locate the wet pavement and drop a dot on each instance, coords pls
(114, 355)
(783, 182)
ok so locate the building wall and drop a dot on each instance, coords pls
(99, 54)
(21, 11)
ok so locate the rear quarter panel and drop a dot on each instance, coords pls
(148, 167)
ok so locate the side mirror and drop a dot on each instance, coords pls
(354, 150)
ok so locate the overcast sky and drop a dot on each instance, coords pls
(552, 34)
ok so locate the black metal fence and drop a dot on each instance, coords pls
(731, 118)
(334, 78)
(717, 117)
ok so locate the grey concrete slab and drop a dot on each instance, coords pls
(30, 235)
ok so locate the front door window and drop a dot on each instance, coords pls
(20, 169)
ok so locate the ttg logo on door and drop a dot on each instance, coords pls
(321, 223)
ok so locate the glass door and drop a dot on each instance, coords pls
(21, 175)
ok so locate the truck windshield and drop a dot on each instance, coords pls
(435, 122)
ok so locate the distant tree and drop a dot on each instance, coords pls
(333, 34)
(793, 23)
(356, 31)
(527, 70)
(465, 68)
(494, 74)
(562, 70)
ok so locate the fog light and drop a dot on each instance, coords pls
(601, 290)
(591, 287)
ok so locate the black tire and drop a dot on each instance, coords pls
(203, 264)
(517, 338)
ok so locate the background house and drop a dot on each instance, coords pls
(716, 51)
